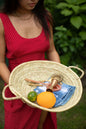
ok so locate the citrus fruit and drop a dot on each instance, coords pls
(32, 96)
(46, 99)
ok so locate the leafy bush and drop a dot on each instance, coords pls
(69, 30)
(75, 12)
(68, 45)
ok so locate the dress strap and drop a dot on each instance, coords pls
(8, 29)
(5, 21)
(3, 18)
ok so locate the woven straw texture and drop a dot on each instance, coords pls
(39, 71)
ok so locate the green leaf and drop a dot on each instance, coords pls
(75, 1)
(83, 7)
(65, 59)
(69, 33)
(65, 49)
(71, 1)
(76, 21)
(72, 48)
(61, 5)
(66, 12)
(60, 28)
(84, 25)
(80, 1)
(83, 35)
(83, 16)
(75, 8)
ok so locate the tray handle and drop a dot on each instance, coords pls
(10, 98)
(75, 67)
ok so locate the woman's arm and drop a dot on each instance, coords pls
(4, 72)
(52, 54)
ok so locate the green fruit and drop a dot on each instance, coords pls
(32, 96)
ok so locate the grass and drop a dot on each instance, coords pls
(74, 118)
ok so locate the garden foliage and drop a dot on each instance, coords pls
(69, 30)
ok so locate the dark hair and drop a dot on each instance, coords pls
(40, 12)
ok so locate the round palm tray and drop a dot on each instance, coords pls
(39, 71)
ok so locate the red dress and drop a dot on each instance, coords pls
(19, 115)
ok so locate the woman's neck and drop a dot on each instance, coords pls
(23, 14)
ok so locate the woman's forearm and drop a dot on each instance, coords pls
(42, 119)
(53, 56)
(4, 72)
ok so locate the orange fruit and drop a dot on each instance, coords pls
(46, 99)
(32, 96)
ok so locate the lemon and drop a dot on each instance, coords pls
(32, 96)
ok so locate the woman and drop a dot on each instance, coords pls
(25, 35)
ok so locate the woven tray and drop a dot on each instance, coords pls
(39, 71)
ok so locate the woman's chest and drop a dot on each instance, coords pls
(25, 38)
(17, 44)
(26, 28)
